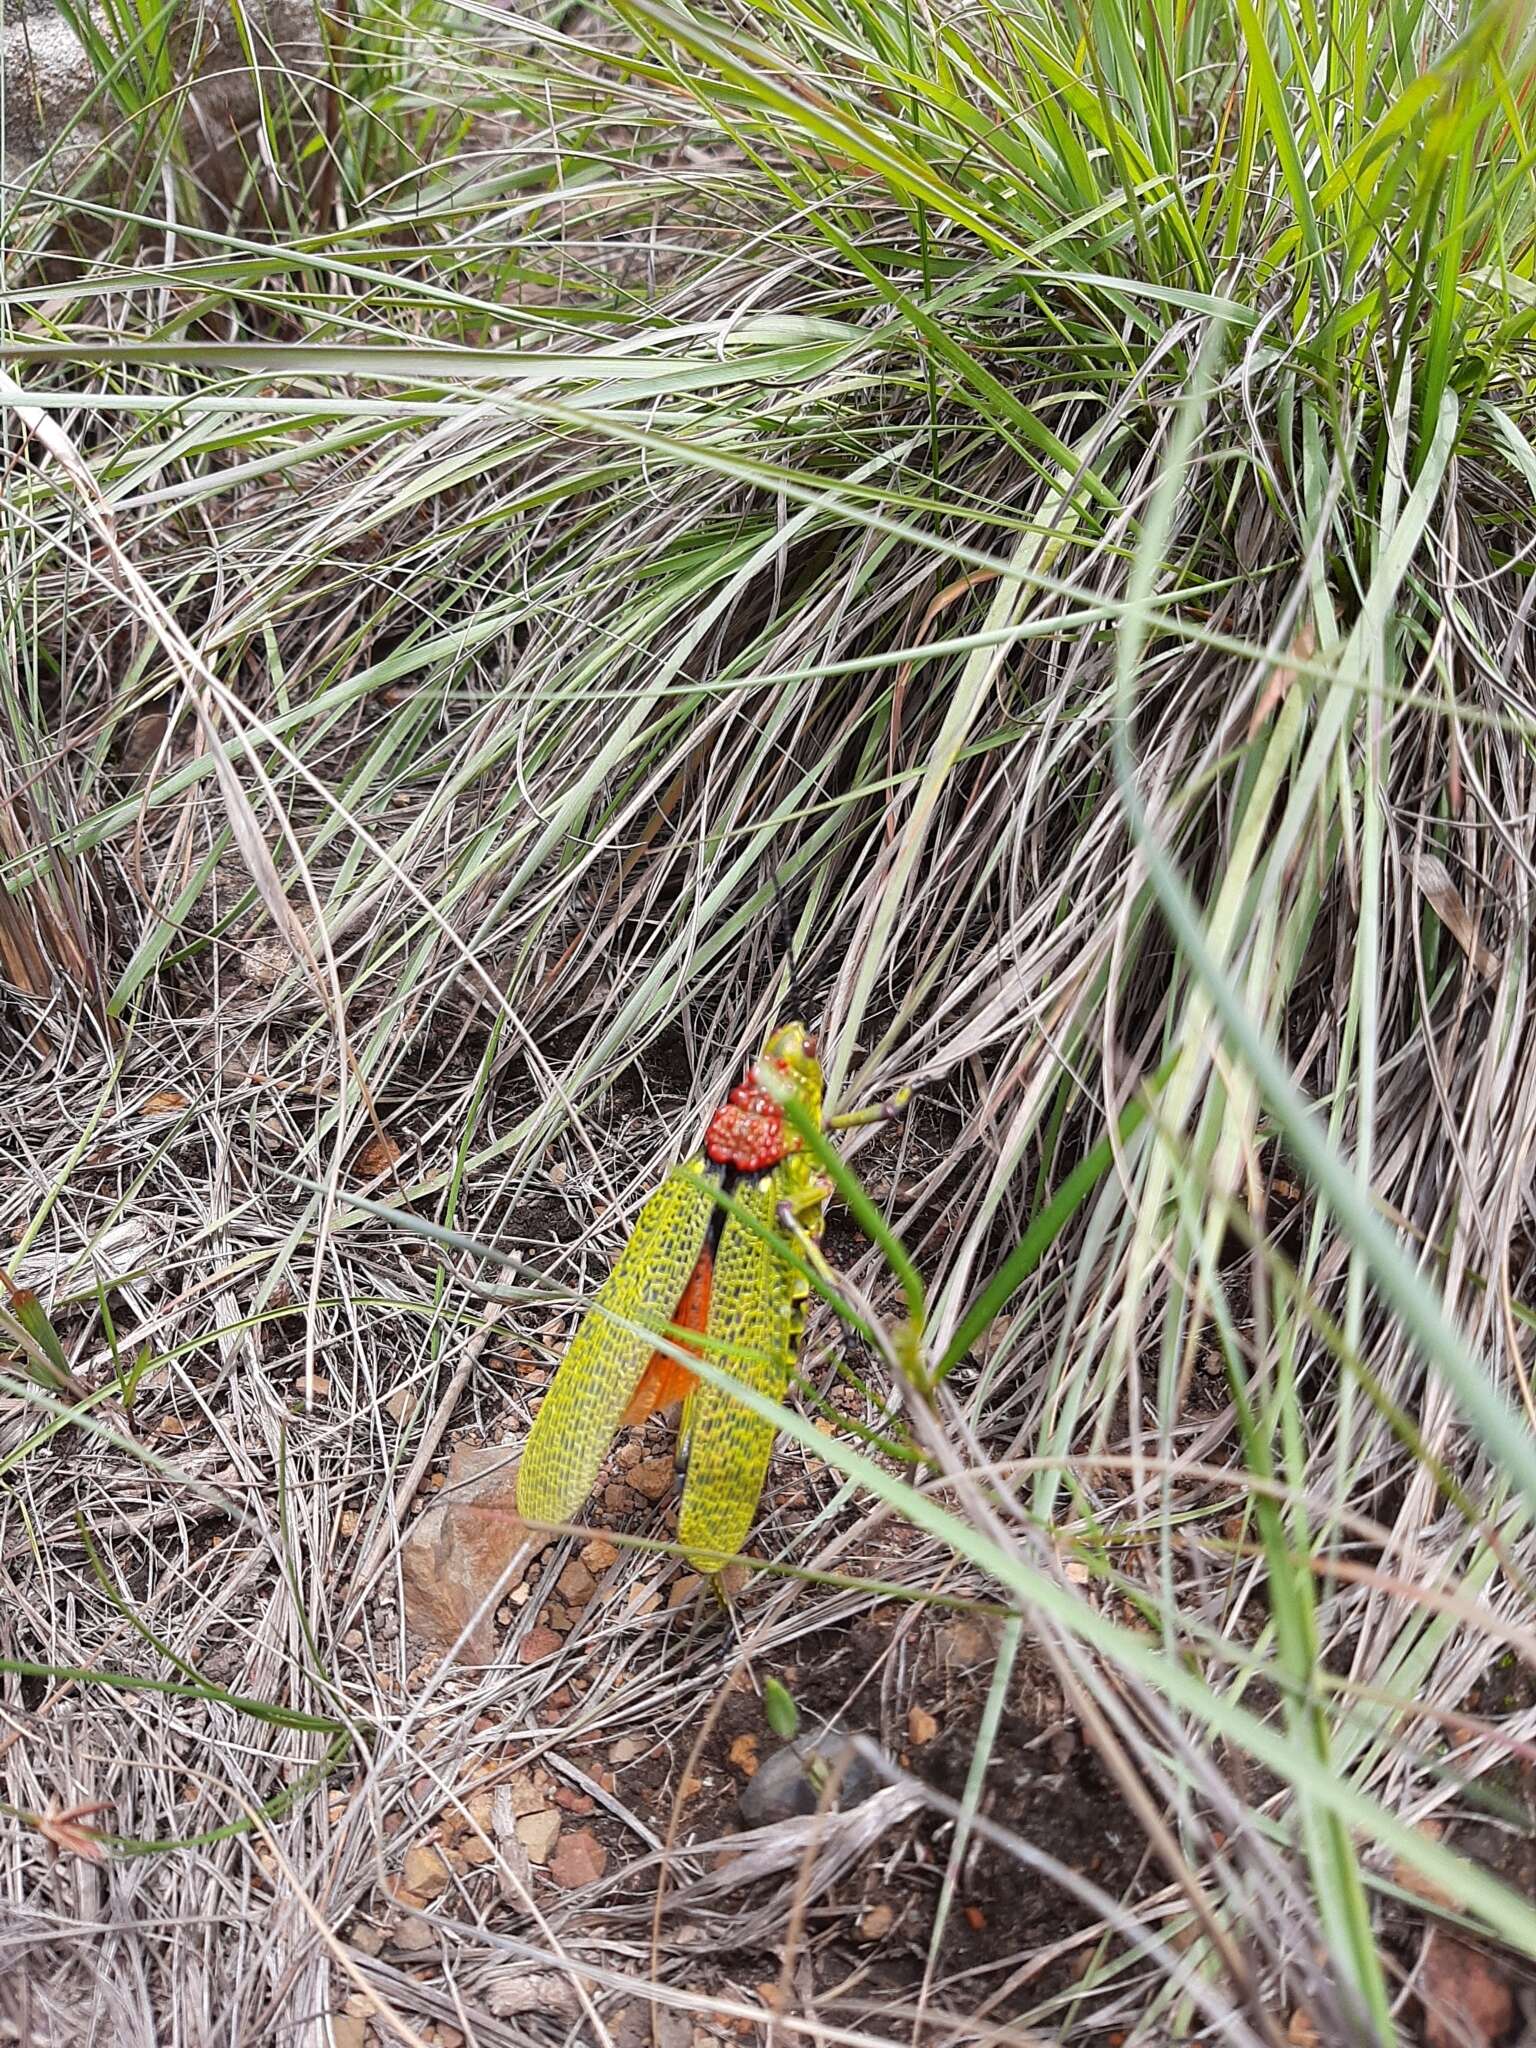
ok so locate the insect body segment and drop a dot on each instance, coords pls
(748, 1132)
(691, 1265)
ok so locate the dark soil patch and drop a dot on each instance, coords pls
(916, 1685)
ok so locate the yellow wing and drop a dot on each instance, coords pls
(608, 1354)
(757, 1308)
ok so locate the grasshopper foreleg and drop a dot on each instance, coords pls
(888, 1112)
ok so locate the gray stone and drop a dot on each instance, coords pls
(790, 1781)
(50, 98)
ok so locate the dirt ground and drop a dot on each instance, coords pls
(903, 1925)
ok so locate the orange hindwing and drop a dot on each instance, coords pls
(665, 1380)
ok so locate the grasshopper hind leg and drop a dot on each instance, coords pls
(685, 1429)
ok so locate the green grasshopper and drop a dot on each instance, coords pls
(692, 1264)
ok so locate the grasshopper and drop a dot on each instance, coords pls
(695, 1265)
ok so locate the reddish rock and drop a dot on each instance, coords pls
(576, 1584)
(458, 1553)
(653, 1479)
(556, 1707)
(1468, 1999)
(376, 1157)
(580, 1859)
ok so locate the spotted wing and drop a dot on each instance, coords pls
(612, 1347)
(756, 1310)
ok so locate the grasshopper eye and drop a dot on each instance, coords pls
(812, 1045)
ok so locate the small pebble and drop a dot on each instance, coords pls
(413, 1935)
(580, 1859)
(921, 1727)
(538, 1833)
(576, 1584)
(425, 1873)
(653, 1479)
(743, 1755)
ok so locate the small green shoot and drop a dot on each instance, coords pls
(779, 1709)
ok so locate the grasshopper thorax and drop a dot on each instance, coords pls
(748, 1132)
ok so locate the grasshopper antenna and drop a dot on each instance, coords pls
(794, 994)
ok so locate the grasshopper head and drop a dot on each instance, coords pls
(792, 1050)
(748, 1131)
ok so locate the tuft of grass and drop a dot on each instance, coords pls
(1039, 502)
